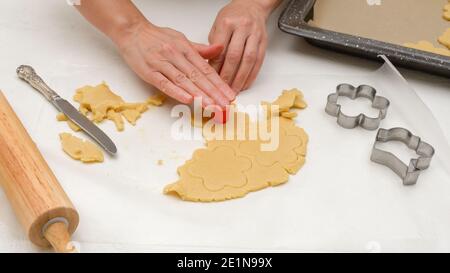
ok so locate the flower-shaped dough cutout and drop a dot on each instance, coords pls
(260, 177)
(284, 154)
(190, 188)
(220, 168)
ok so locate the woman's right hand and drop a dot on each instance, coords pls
(166, 59)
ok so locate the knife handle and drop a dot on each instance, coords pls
(28, 74)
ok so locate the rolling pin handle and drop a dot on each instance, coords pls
(59, 237)
(29, 75)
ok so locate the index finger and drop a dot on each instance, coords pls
(223, 38)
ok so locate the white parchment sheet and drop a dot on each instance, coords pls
(339, 201)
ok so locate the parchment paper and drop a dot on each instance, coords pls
(393, 21)
(339, 201)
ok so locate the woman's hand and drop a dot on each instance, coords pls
(166, 59)
(241, 28)
(160, 56)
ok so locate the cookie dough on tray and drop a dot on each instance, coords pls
(429, 47)
(447, 11)
(444, 39)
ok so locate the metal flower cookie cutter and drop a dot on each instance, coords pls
(409, 173)
(362, 91)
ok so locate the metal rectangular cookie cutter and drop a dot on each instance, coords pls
(410, 173)
(362, 91)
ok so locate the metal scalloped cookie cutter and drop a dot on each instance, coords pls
(409, 173)
(362, 91)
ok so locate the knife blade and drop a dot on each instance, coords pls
(29, 75)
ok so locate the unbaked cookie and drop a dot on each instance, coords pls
(447, 12)
(429, 47)
(444, 39)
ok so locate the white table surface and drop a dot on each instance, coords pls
(54, 38)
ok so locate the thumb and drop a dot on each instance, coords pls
(208, 51)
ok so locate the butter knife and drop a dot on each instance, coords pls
(28, 74)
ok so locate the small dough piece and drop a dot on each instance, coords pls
(131, 115)
(290, 115)
(140, 107)
(117, 119)
(156, 100)
(447, 12)
(289, 99)
(232, 167)
(444, 39)
(72, 125)
(428, 47)
(85, 151)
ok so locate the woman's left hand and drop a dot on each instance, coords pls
(241, 28)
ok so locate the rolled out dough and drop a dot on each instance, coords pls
(85, 151)
(228, 169)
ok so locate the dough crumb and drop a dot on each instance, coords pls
(444, 39)
(428, 47)
(160, 162)
(228, 169)
(85, 151)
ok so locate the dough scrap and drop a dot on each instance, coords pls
(444, 39)
(99, 103)
(72, 125)
(228, 169)
(429, 47)
(156, 100)
(85, 151)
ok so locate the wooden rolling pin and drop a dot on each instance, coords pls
(38, 200)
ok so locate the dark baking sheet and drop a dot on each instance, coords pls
(294, 20)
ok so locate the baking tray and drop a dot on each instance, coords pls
(294, 20)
